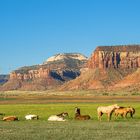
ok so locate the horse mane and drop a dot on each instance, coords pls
(60, 115)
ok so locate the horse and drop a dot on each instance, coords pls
(107, 110)
(31, 117)
(59, 117)
(10, 118)
(123, 111)
(78, 115)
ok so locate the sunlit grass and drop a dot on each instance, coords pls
(41, 129)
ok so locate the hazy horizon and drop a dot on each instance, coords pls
(33, 30)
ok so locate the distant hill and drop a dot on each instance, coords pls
(108, 68)
(55, 71)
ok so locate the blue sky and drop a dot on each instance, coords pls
(33, 30)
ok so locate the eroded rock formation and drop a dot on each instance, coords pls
(30, 75)
(53, 72)
(109, 67)
(115, 57)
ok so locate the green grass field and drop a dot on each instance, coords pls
(120, 129)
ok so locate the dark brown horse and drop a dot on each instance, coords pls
(78, 115)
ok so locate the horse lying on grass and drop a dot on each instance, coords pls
(10, 118)
(123, 111)
(78, 115)
(59, 117)
(107, 110)
(31, 117)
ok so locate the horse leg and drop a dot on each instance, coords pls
(109, 116)
(131, 114)
(121, 115)
(124, 115)
(99, 115)
(116, 115)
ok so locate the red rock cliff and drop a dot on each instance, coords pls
(32, 74)
(115, 57)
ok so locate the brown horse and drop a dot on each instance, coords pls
(123, 111)
(10, 118)
(78, 115)
(107, 110)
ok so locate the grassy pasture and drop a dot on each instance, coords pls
(120, 129)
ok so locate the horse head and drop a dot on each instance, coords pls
(77, 110)
(64, 114)
(116, 106)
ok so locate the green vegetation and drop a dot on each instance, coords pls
(120, 129)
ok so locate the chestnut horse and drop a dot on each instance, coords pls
(107, 110)
(10, 118)
(123, 111)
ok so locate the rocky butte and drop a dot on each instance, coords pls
(110, 67)
(53, 72)
(115, 57)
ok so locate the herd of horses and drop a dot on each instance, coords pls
(109, 110)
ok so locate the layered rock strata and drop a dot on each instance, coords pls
(115, 57)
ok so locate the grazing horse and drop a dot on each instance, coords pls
(78, 115)
(31, 117)
(59, 117)
(10, 118)
(132, 112)
(123, 111)
(107, 110)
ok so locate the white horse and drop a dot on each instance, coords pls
(59, 117)
(31, 117)
(107, 110)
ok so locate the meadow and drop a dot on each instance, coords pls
(120, 129)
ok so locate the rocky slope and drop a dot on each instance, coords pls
(52, 73)
(109, 67)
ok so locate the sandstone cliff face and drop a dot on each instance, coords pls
(52, 73)
(115, 57)
(109, 67)
(30, 75)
